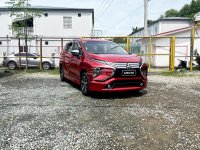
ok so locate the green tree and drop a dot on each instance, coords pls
(171, 13)
(119, 40)
(162, 16)
(185, 11)
(22, 15)
(188, 10)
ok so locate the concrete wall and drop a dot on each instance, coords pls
(4, 24)
(167, 26)
(162, 46)
(52, 25)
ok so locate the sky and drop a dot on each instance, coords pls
(116, 17)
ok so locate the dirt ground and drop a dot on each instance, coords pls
(37, 111)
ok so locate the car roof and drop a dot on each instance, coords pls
(95, 40)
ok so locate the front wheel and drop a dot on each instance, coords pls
(62, 77)
(46, 65)
(84, 84)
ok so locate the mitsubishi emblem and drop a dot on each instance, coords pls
(128, 66)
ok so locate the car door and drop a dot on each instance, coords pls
(67, 58)
(33, 60)
(23, 59)
(75, 62)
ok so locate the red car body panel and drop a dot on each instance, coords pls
(110, 79)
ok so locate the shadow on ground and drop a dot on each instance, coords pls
(121, 95)
(110, 95)
(5, 73)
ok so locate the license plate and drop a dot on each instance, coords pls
(128, 72)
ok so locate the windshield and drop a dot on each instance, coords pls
(103, 47)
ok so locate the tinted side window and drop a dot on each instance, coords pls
(29, 55)
(76, 46)
(20, 54)
(68, 47)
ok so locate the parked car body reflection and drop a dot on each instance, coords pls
(13, 61)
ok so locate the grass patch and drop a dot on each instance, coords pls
(181, 73)
(197, 68)
(54, 71)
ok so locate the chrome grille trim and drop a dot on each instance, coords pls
(124, 65)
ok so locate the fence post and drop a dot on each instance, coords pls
(172, 53)
(192, 46)
(150, 52)
(61, 44)
(20, 62)
(40, 53)
(128, 43)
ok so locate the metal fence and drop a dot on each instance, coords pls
(161, 53)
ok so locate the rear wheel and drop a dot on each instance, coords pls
(84, 84)
(12, 65)
(62, 77)
(46, 65)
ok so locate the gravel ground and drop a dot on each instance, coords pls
(37, 111)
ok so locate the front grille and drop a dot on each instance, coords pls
(126, 65)
(120, 67)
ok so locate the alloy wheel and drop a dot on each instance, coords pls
(12, 65)
(84, 84)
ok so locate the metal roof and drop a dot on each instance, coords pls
(164, 19)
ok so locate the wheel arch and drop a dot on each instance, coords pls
(82, 71)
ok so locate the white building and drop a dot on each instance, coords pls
(178, 27)
(55, 22)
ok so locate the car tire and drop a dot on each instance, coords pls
(62, 77)
(12, 65)
(84, 84)
(46, 65)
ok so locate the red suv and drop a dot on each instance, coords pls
(101, 65)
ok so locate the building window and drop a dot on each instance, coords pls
(67, 22)
(79, 14)
(46, 43)
(0, 42)
(46, 14)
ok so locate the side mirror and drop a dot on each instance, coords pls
(75, 52)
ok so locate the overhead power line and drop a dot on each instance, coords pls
(131, 13)
(101, 6)
(105, 8)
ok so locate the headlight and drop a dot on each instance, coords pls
(96, 72)
(102, 74)
(144, 70)
(99, 61)
(103, 62)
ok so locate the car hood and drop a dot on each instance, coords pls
(116, 58)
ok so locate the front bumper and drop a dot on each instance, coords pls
(119, 84)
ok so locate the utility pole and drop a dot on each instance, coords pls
(145, 17)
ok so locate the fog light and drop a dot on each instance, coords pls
(141, 84)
